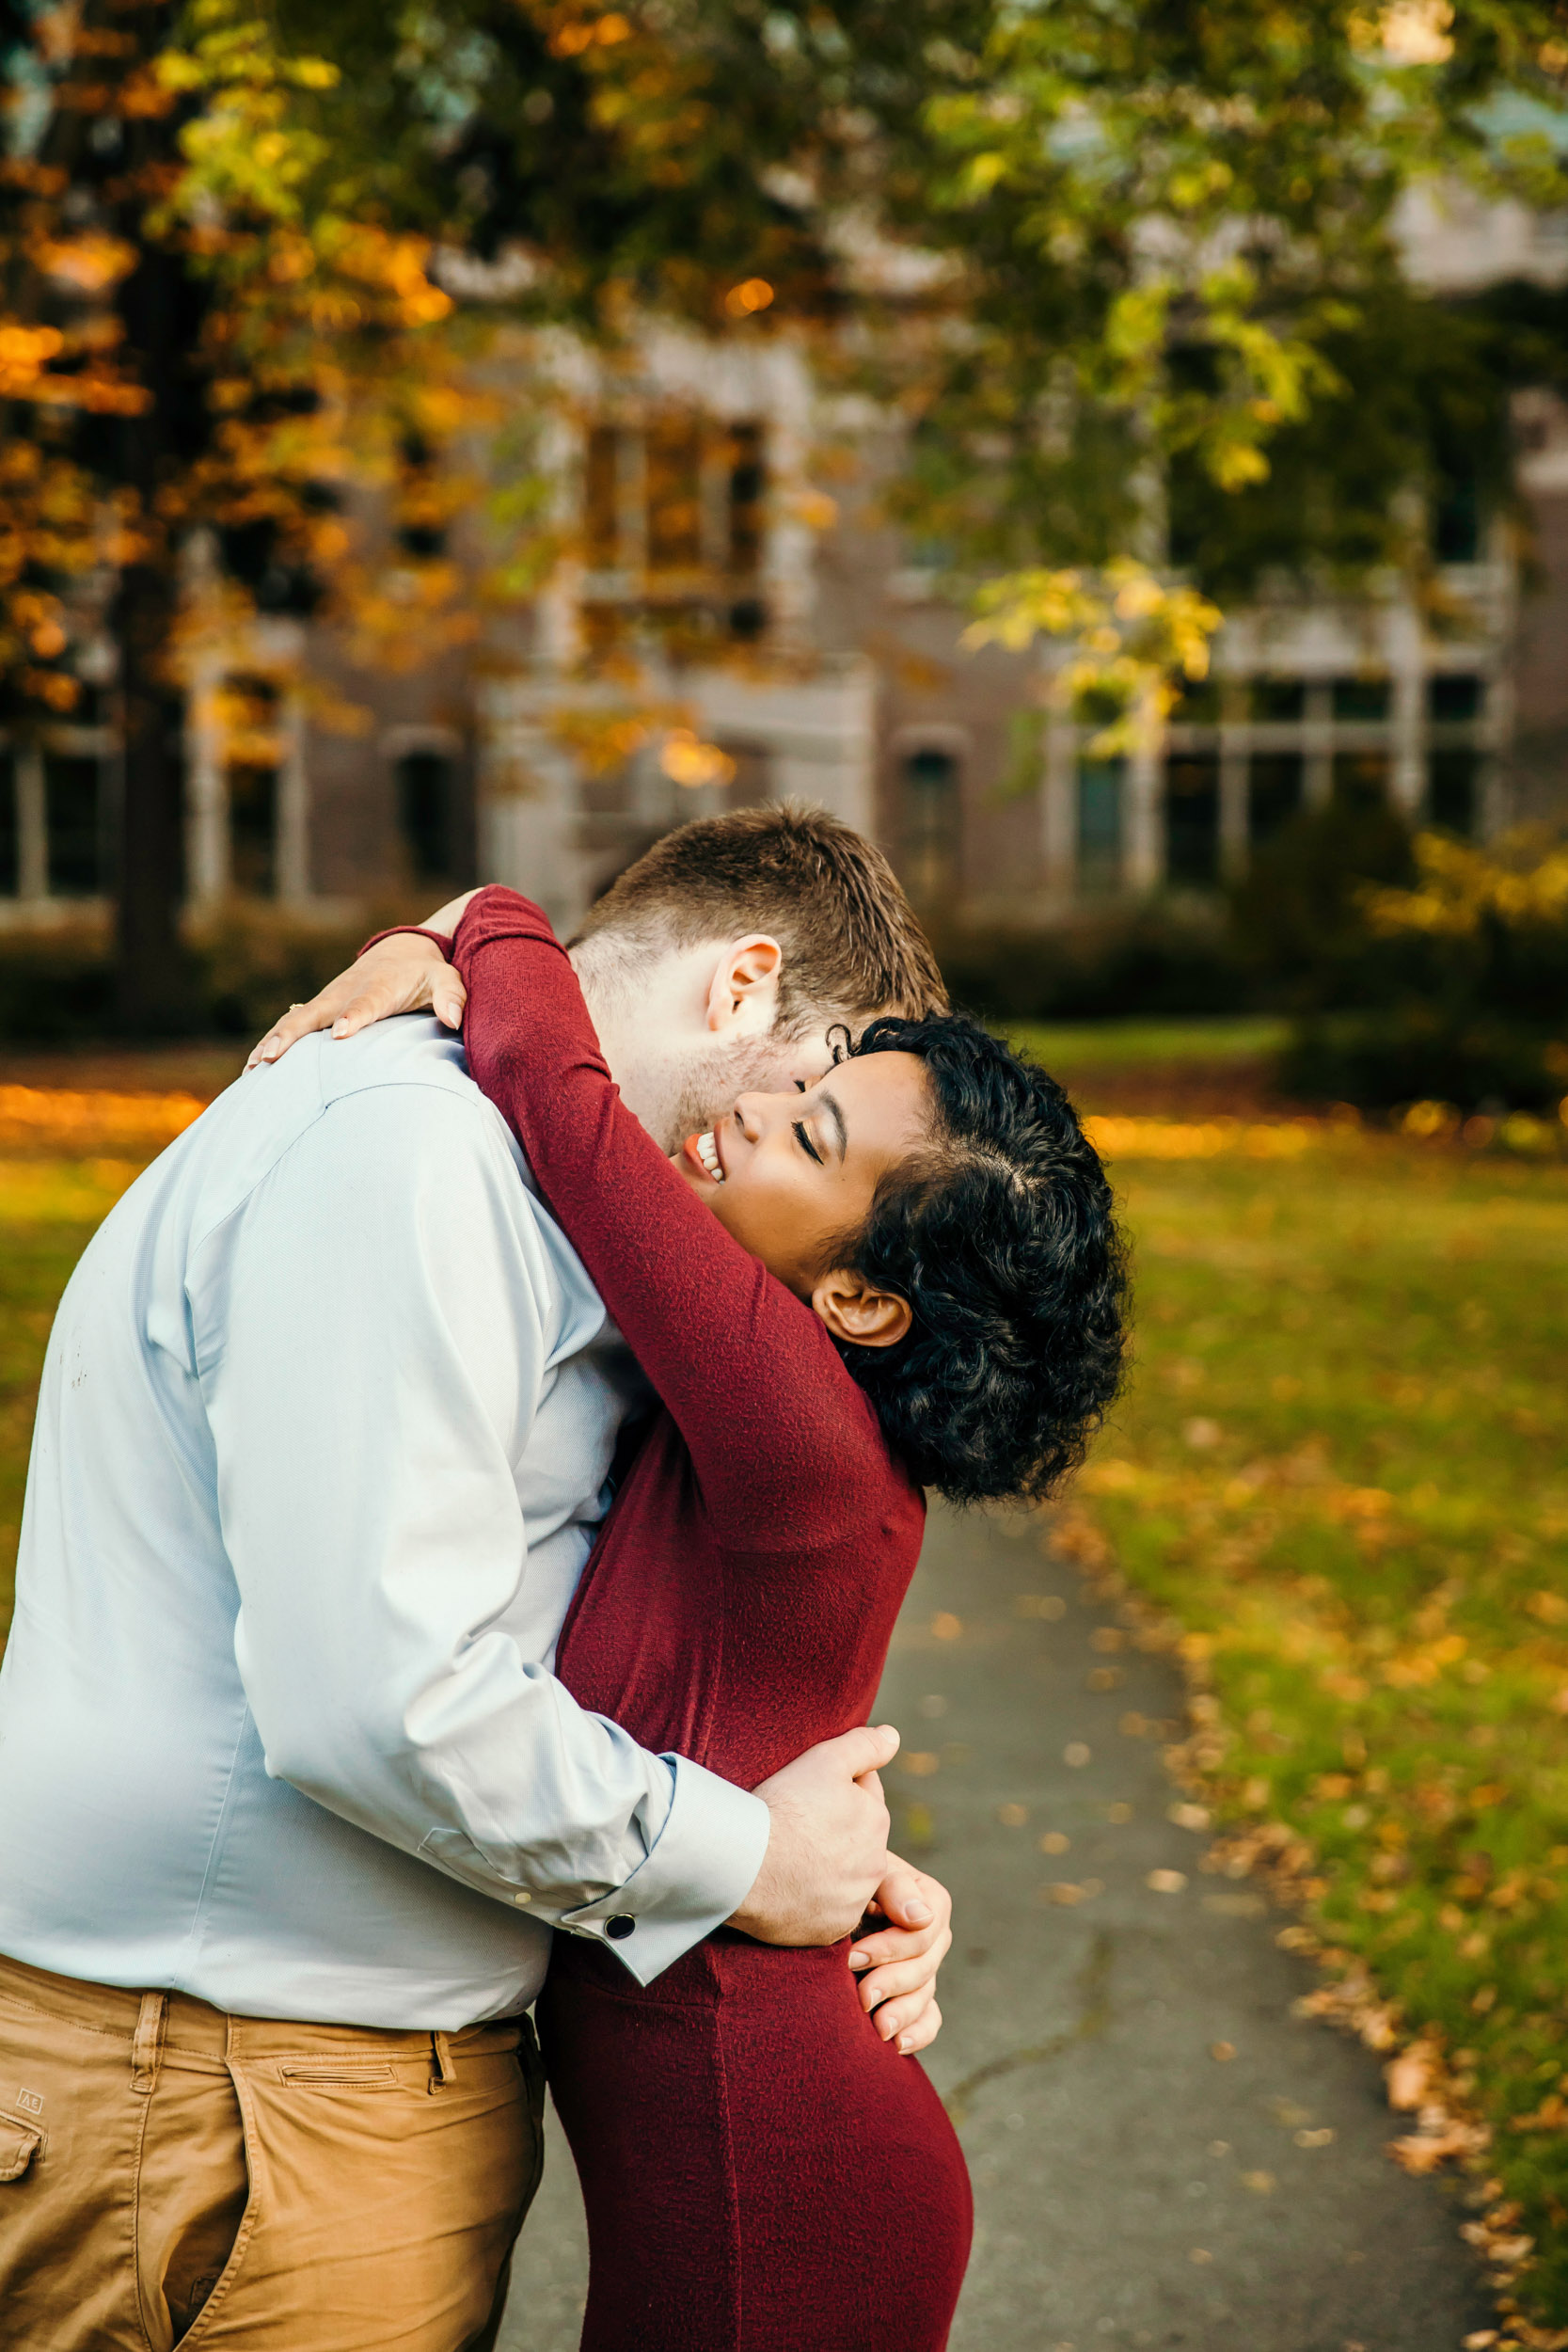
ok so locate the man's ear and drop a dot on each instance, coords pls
(746, 983)
(854, 1309)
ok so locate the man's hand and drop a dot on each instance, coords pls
(897, 1965)
(400, 974)
(827, 1848)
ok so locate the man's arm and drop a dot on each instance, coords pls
(372, 1333)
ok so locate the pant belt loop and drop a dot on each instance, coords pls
(147, 2050)
(441, 2060)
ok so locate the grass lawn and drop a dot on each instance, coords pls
(1071, 1048)
(1342, 1468)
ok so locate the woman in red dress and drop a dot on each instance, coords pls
(905, 1276)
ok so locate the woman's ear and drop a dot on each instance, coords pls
(745, 984)
(854, 1309)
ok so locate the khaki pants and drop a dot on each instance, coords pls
(169, 2175)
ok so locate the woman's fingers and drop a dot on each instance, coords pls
(447, 996)
(896, 1977)
(403, 973)
(346, 1004)
(912, 2024)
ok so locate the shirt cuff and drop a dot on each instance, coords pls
(701, 1867)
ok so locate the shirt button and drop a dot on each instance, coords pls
(620, 1926)
(522, 1898)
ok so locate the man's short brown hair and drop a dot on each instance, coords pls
(852, 946)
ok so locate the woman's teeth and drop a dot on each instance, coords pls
(708, 1151)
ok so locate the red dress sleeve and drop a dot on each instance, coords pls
(786, 1448)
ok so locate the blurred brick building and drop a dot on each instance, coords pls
(800, 638)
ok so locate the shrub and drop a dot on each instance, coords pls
(56, 987)
(1149, 959)
(1458, 978)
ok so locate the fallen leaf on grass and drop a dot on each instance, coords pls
(1224, 2051)
(1075, 1756)
(1054, 1841)
(1261, 2183)
(1063, 1892)
(1409, 2076)
(1166, 1882)
(946, 1626)
(1321, 2138)
(1012, 1815)
(1193, 1817)
(1423, 2151)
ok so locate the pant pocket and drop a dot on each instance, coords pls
(19, 2144)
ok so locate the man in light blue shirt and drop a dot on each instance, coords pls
(326, 1426)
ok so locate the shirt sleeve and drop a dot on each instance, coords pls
(374, 1327)
(784, 1442)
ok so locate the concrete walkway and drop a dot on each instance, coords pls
(1131, 2188)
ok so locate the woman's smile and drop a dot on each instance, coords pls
(703, 1152)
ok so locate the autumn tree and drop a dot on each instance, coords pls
(1154, 243)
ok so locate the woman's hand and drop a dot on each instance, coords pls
(399, 974)
(898, 1964)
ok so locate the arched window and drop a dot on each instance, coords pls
(423, 782)
(931, 820)
(1099, 796)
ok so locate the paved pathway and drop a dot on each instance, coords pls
(1131, 2190)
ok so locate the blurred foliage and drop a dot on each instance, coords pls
(57, 987)
(1341, 1469)
(1149, 959)
(1420, 968)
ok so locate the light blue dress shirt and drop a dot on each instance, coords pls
(323, 1436)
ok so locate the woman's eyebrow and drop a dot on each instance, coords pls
(831, 1105)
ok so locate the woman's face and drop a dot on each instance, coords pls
(788, 1174)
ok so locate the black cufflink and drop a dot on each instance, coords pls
(620, 1926)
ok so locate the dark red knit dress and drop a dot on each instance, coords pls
(762, 2172)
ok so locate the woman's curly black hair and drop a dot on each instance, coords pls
(1003, 1239)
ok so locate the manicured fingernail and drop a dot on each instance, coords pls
(918, 1912)
(340, 1029)
(859, 1960)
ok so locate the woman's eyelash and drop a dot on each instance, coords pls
(805, 1142)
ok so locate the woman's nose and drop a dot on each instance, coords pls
(751, 1115)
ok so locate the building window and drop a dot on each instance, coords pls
(10, 845)
(1198, 705)
(675, 495)
(1452, 791)
(1193, 820)
(601, 498)
(423, 781)
(1100, 794)
(1275, 781)
(254, 751)
(1361, 779)
(1453, 700)
(1361, 701)
(73, 810)
(1278, 701)
(679, 505)
(931, 820)
(748, 489)
(1456, 519)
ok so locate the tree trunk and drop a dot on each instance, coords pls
(153, 982)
